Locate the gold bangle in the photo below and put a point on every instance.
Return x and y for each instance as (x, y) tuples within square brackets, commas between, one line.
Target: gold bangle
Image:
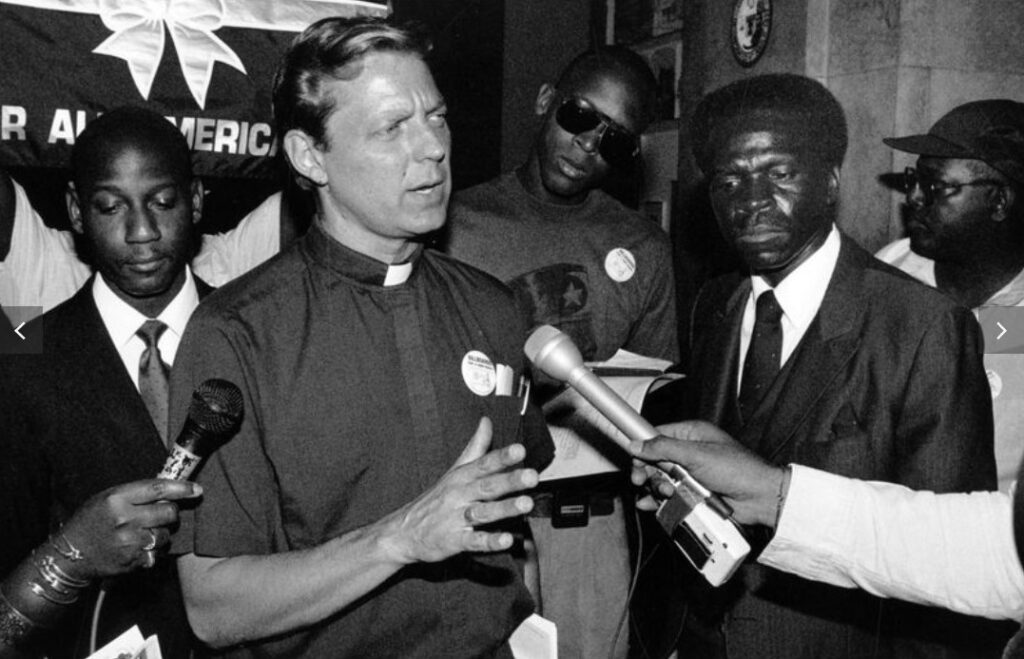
[(66, 579), (72, 553), (40, 591), (63, 589), (15, 626)]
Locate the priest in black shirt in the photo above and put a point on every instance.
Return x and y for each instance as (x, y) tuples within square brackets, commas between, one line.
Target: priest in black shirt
[(349, 517)]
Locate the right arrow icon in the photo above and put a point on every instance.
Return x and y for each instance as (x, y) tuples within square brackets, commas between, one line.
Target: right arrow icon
[(998, 324)]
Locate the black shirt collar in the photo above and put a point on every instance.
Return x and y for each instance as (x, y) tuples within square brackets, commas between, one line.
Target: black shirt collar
[(347, 262)]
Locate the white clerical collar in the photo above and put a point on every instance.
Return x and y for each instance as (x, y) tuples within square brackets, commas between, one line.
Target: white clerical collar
[(398, 273)]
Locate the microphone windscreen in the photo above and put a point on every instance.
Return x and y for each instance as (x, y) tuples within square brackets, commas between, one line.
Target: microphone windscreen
[(553, 352), (214, 415), (216, 406)]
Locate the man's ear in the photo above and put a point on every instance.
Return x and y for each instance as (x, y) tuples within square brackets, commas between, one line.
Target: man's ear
[(197, 200), (1004, 199), (833, 185), (305, 157), (74, 207), (545, 97)]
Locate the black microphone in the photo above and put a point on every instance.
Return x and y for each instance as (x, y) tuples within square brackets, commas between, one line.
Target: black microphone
[(213, 417)]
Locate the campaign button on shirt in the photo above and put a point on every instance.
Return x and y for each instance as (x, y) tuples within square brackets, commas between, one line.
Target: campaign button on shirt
[(478, 373), (620, 264)]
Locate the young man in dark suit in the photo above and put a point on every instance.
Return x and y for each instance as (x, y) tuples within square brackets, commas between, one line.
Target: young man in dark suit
[(85, 419), (826, 357)]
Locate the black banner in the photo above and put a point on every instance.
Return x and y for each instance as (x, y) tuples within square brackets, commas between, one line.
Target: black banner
[(207, 65)]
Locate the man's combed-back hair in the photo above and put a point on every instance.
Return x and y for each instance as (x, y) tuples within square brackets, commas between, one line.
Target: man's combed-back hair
[(788, 99), (329, 50), (620, 62)]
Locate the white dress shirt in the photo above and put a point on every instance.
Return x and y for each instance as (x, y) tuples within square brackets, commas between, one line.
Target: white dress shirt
[(122, 322), (799, 296), (951, 550)]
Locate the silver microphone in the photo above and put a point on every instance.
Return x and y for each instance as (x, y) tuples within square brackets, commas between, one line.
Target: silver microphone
[(695, 518)]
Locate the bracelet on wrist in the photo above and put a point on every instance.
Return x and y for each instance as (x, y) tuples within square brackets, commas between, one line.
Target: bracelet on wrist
[(57, 587), (63, 546)]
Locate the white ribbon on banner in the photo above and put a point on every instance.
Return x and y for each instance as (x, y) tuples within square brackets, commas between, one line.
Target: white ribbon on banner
[(139, 38)]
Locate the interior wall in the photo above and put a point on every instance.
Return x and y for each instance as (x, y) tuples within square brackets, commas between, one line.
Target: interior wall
[(468, 67), (952, 52), (541, 37), (895, 65)]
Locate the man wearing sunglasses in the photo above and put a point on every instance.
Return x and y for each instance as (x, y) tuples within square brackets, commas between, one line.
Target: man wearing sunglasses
[(602, 273), (965, 236)]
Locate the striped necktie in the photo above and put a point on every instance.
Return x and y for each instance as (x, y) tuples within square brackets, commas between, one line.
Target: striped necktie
[(153, 375), (763, 355)]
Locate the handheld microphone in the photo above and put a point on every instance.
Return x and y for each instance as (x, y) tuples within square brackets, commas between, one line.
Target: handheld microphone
[(697, 520), (213, 417)]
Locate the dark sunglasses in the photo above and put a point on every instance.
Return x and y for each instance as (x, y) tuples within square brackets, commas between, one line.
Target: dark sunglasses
[(935, 189), (617, 146)]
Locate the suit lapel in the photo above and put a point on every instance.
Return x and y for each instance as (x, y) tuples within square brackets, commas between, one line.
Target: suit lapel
[(830, 342), (93, 375), (722, 346)]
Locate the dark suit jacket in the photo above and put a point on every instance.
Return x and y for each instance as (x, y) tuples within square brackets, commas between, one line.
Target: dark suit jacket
[(72, 424), (887, 384)]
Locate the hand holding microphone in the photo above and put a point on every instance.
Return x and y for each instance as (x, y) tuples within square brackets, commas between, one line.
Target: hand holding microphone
[(121, 528), (695, 518), (213, 417)]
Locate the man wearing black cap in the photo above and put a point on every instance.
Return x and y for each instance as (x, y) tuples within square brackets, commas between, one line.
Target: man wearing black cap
[(965, 229)]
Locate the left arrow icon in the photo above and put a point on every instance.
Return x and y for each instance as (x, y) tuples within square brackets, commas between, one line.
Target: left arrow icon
[(18, 332)]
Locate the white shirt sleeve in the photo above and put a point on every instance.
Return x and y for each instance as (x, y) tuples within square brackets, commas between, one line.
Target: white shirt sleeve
[(255, 239), (951, 550), (42, 268)]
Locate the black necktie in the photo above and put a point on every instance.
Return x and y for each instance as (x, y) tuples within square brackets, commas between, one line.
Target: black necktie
[(763, 354), (153, 374)]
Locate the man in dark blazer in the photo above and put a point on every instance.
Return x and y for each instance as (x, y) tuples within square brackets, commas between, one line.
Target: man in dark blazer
[(842, 363), (80, 438)]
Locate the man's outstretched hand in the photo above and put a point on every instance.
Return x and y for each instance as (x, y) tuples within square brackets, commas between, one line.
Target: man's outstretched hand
[(443, 521)]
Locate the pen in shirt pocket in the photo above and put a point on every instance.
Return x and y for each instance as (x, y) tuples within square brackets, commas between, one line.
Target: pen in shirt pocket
[(505, 375)]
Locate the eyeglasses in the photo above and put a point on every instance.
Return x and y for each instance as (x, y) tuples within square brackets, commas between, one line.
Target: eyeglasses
[(617, 146), (933, 189)]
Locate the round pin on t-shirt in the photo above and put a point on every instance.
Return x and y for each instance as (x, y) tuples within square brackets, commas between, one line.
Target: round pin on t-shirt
[(620, 264), (478, 373)]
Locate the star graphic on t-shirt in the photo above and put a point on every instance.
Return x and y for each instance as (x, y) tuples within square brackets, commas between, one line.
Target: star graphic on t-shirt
[(573, 295)]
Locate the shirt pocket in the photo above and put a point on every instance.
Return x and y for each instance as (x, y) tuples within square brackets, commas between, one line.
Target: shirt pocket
[(506, 417)]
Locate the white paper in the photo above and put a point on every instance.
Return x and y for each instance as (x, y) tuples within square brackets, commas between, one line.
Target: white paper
[(583, 437), (535, 638), (130, 645)]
